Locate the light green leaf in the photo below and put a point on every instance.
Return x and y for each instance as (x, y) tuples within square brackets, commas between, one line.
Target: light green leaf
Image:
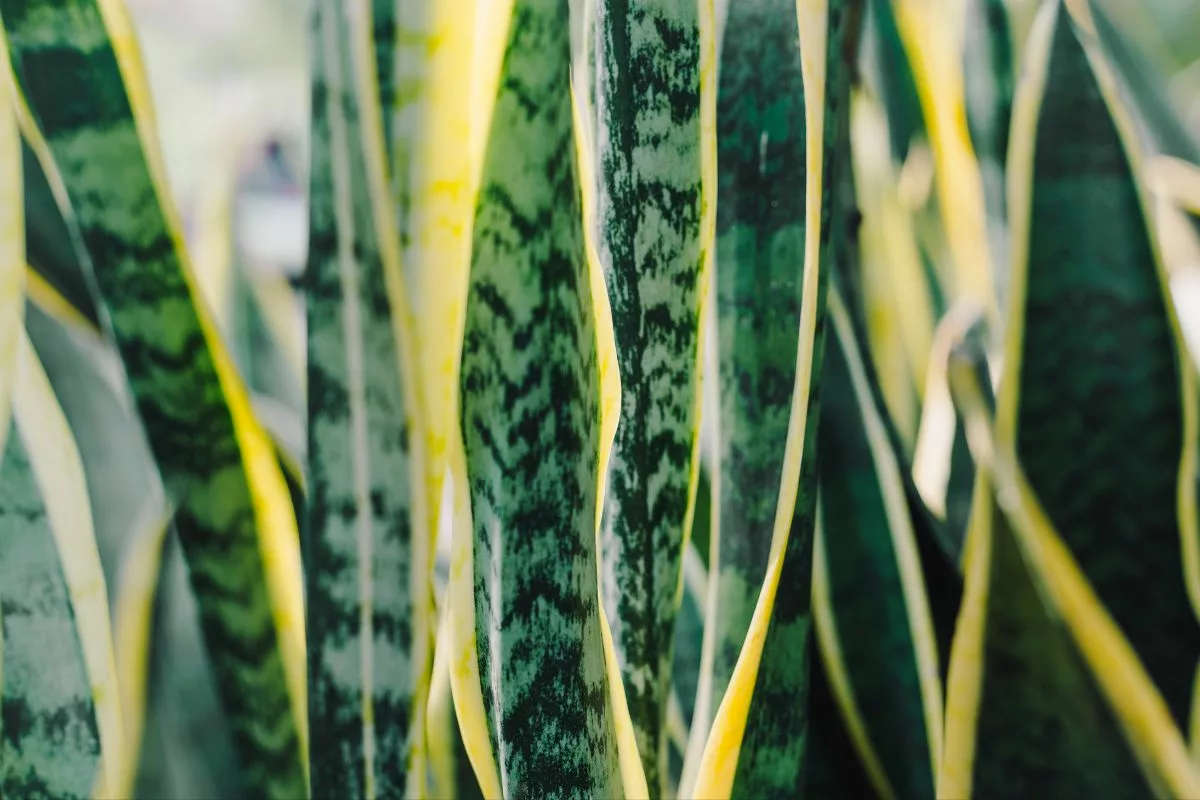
[(78, 65), (369, 580), (530, 405)]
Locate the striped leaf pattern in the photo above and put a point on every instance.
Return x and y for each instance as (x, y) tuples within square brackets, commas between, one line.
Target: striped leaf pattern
[(77, 65), (752, 747), (368, 583), (650, 58), (1091, 329), (758, 296), (530, 426)]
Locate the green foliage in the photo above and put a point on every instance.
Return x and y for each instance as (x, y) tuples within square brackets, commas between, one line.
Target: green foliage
[(696, 399)]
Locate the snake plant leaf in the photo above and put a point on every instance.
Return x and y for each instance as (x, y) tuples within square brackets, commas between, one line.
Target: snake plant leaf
[(1046, 694), (870, 606), (758, 300), (12, 246), (1092, 329), (62, 732), (754, 746), (429, 139), (78, 66), (369, 577), (530, 419), (654, 202)]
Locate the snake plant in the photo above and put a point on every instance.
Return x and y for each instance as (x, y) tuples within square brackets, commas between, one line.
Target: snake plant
[(680, 398)]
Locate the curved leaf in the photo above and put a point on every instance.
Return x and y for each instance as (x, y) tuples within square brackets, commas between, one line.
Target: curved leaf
[(1097, 397), (653, 65), (62, 733), (78, 65), (12, 245)]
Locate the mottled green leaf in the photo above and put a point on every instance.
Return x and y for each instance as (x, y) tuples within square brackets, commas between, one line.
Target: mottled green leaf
[(1097, 397), (368, 575), (651, 220), (755, 747), (530, 400)]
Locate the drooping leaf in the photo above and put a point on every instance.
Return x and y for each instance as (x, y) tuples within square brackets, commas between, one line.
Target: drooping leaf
[(755, 747), (870, 606), (530, 417), (61, 733), (1097, 396), (369, 573), (78, 65), (654, 203)]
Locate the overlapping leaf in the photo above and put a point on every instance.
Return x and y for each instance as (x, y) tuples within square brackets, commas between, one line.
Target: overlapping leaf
[(1097, 397)]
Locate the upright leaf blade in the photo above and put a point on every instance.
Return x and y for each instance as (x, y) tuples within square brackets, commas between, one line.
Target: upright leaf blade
[(872, 614), (78, 65), (369, 571), (758, 286), (12, 244), (753, 748), (1045, 691), (530, 405), (1097, 397), (651, 89)]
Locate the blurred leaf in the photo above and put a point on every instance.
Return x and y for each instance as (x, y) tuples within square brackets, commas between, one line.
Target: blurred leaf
[(872, 614), (433, 180), (1097, 397), (893, 75), (62, 732), (1044, 690), (833, 767), (655, 200), (78, 65), (12, 248), (370, 621)]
